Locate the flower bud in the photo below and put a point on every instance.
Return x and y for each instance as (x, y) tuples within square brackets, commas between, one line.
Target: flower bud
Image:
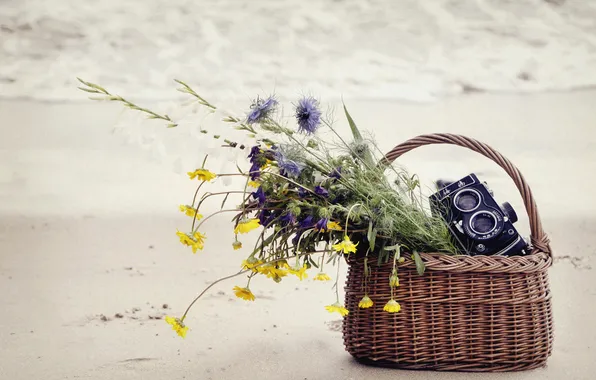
[(393, 281)]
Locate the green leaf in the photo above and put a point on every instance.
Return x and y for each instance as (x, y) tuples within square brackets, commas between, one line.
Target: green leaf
[(379, 260), (371, 236), (368, 159), (91, 90), (353, 127), (419, 263)]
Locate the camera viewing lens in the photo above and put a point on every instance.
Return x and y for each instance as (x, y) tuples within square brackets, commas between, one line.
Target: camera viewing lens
[(467, 200), (483, 223)]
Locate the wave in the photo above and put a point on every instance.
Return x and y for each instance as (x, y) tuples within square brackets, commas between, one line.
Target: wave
[(408, 50)]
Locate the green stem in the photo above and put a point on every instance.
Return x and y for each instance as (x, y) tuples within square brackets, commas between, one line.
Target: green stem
[(212, 215), (348, 217)]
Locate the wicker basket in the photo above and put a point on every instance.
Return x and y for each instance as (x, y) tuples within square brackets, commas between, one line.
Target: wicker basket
[(466, 313)]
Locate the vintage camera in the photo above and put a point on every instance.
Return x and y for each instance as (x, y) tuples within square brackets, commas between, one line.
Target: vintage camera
[(479, 225)]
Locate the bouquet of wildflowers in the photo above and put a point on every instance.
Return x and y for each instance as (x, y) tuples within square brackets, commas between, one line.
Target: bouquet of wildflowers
[(311, 196)]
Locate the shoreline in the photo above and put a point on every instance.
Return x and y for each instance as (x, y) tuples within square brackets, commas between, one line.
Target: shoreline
[(464, 93)]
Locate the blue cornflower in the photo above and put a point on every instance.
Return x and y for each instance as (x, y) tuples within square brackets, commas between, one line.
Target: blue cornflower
[(322, 225), (308, 115), (291, 168), (288, 167), (261, 109), (320, 190), (259, 195)]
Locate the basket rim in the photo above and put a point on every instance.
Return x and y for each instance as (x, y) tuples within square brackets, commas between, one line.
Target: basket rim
[(537, 261)]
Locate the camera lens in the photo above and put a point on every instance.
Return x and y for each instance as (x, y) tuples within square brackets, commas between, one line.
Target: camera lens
[(467, 200), (483, 222)]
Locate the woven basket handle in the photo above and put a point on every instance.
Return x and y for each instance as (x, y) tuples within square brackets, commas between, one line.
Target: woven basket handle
[(539, 239)]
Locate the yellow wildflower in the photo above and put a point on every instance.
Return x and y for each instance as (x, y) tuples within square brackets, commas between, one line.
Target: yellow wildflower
[(337, 308), (345, 246), (263, 269), (333, 226), (254, 184), (237, 245), (190, 211), (272, 271), (177, 325), (199, 241), (299, 272), (322, 277), (195, 241), (247, 225), (365, 302), (251, 263), (202, 175), (394, 281), (185, 239), (244, 293), (392, 306)]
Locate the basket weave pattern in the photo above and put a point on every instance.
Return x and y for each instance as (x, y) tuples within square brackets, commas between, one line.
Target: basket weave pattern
[(466, 313)]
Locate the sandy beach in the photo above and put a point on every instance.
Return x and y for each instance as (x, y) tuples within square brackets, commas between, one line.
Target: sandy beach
[(89, 260), (89, 263)]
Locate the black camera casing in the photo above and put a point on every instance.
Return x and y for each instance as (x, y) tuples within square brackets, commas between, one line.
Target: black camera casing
[(478, 223)]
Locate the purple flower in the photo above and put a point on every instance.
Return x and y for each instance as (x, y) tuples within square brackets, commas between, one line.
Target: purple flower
[(259, 195), (336, 173), (266, 217), (255, 171), (255, 151), (320, 190), (307, 222), (288, 167), (288, 219), (322, 225), (291, 168), (308, 115), (261, 109), (302, 193)]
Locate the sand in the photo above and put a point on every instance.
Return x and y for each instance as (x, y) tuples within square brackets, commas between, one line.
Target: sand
[(89, 263)]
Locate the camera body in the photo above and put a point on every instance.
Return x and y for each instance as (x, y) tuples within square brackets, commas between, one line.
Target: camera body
[(478, 223)]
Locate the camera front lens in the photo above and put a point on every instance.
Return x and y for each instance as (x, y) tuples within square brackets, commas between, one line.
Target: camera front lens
[(467, 200), (483, 223)]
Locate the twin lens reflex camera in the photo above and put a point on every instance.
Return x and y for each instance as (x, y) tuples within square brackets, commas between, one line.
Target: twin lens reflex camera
[(478, 223)]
